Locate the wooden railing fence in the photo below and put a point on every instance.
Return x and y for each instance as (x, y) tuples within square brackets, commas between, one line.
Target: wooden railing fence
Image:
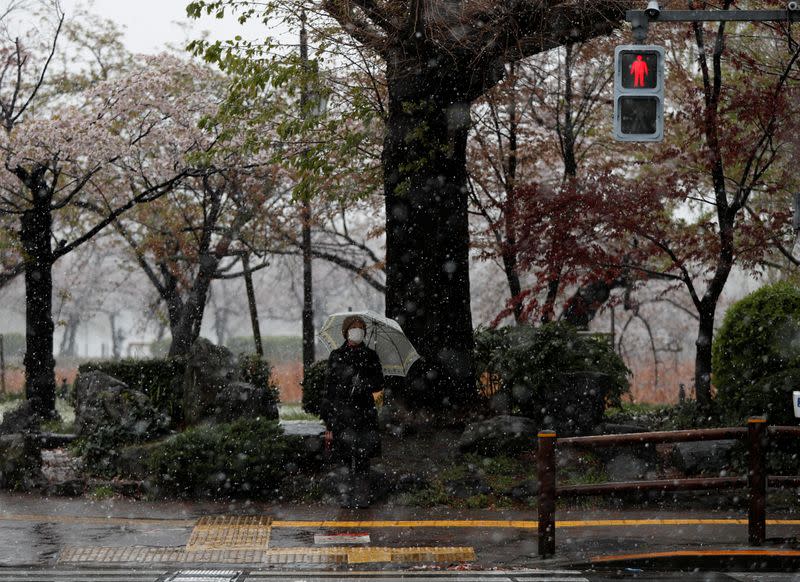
[(757, 434)]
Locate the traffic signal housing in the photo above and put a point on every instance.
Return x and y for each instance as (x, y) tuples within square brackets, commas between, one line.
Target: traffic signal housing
[(639, 93)]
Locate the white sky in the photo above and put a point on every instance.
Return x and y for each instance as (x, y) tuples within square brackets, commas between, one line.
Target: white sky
[(150, 25)]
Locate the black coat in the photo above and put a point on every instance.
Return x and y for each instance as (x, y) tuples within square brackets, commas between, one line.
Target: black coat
[(348, 409)]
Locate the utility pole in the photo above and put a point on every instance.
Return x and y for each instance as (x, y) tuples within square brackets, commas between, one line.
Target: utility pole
[(305, 215)]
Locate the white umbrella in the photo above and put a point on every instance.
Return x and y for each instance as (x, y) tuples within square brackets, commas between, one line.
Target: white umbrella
[(383, 335)]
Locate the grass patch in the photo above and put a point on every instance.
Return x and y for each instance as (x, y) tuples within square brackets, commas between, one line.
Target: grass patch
[(499, 474), (101, 492), (295, 412)]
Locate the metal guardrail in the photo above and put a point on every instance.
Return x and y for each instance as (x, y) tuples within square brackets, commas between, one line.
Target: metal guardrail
[(756, 434)]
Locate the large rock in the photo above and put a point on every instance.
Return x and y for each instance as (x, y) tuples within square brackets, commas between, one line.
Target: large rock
[(20, 462), (499, 435), (209, 369), (22, 419), (241, 400), (105, 404), (629, 467), (213, 392), (709, 457)]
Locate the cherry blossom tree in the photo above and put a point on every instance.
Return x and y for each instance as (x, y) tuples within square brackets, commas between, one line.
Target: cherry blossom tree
[(64, 162)]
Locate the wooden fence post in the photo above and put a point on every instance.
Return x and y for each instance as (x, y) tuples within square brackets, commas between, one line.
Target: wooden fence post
[(546, 469), (757, 480)]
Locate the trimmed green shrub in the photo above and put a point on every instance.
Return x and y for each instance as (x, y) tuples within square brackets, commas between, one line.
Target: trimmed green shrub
[(538, 368), (756, 355), (246, 458), (255, 370), (314, 386), (160, 379)]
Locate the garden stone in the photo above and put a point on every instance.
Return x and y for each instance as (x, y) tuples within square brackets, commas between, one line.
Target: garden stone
[(21, 419), (524, 491), (703, 457), (105, 405), (237, 400), (20, 462), (408, 482), (501, 434), (627, 467), (209, 369), (466, 487)]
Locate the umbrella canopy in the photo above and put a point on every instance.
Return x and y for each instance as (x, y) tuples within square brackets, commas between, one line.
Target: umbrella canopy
[(383, 335)]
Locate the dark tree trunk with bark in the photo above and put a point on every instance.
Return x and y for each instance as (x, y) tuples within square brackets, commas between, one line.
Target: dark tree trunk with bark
[(702, 363), (427, 235), (509, 255), (186, 328), (36, 233)]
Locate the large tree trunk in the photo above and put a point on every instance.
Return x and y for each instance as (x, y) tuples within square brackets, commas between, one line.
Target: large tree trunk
[(702, 362), (36, 233), (427, 236), (187, 327)]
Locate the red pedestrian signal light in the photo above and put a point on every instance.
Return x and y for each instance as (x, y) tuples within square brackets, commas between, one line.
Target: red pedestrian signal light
[(639, 93), (639, 69)]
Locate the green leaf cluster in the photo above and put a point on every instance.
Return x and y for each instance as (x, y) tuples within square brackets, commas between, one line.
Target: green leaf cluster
[(530, 365)]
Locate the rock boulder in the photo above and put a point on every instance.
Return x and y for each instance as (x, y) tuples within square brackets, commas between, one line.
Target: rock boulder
[(503, 434), (20, 462), (105, 404)]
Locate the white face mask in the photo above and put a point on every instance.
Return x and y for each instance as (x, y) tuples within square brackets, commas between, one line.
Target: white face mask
[(355, 335)]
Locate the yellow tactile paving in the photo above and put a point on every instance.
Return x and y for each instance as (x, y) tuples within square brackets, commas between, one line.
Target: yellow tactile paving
[(334, 555), (237, 532)]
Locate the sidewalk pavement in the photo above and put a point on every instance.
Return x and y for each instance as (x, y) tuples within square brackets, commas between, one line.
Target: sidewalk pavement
[(40, 531)]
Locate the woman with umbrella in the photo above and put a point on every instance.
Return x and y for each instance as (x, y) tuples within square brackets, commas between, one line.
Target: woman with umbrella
[(348, 407)]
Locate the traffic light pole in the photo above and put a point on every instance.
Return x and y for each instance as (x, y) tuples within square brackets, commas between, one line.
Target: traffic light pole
[(640, 19)]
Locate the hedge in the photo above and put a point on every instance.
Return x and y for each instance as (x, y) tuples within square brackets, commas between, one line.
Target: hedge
[(246, 458), (756, 355)]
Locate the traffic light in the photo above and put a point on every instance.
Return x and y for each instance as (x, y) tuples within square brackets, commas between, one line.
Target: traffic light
[(639, 93)]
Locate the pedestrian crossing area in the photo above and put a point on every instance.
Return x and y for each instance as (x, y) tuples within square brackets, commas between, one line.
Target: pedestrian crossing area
[(234, 575)]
